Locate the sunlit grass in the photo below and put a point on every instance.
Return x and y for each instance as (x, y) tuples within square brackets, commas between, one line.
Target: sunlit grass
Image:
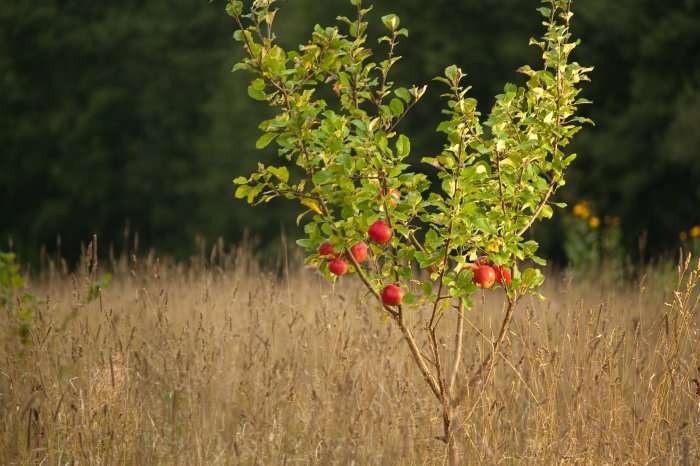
[(221, 362)]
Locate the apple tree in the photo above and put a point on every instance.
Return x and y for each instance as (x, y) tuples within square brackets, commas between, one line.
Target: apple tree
[(344, 158)]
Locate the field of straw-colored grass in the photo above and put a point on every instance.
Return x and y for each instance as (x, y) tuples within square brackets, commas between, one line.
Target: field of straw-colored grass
[(220, 362)]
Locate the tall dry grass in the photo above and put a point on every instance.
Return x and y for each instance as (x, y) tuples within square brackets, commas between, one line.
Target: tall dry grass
[(220, 362)]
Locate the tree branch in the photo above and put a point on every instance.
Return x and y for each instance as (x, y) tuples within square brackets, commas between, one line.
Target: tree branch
[(458, 346), (490, 359), (417, 357), (544, 201)]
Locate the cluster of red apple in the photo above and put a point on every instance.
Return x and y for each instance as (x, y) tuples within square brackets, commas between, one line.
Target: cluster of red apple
[(380, 233), (485, 274), (336, 264)]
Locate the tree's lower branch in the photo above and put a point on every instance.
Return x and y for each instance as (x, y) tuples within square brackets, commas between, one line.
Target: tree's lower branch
[(399, 319), (418, 357), (440, 376)]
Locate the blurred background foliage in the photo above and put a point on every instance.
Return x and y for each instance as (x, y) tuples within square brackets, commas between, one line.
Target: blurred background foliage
[(123, 117)]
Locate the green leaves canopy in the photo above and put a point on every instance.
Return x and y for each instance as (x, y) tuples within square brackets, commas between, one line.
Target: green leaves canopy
[(496, 181)]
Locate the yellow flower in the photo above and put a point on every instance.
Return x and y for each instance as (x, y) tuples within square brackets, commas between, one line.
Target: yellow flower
[(695, 231), (494, 245), (582, 209), (683, 235), (594, 222)]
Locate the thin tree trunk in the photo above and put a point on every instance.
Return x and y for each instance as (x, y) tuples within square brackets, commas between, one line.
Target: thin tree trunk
[(453, 455)]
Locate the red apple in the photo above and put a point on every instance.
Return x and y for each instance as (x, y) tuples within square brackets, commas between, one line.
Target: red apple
[(394, 196), (327, 249), (392, 295), (484, 276), (338, 267), (359, 252), (502, 275), (380, 232)]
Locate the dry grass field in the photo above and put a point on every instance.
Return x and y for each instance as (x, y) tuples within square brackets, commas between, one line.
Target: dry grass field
[(220, 362)]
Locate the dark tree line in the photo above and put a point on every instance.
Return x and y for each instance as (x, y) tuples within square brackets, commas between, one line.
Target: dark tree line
[(126, 113)]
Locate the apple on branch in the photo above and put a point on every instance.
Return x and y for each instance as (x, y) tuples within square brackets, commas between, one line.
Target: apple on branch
[(338, 267), (380, 232), (392, 295)]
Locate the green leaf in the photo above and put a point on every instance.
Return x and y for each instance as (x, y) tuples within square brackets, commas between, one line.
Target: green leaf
[(427, 288), (242, 191), (256, 94), (532, 278), (484, 225), (264, 140), (569, 159), (530, 247), (454, 74), (305, 243), (281, 173), (546, 12), (396, 107), (234, 8), (539, 261), (546, 211), (391, 21), (322, 177), (403, 93), (240, 66), (403, 146)]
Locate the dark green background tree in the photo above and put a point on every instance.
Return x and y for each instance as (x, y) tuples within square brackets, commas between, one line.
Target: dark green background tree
[(116, 114)]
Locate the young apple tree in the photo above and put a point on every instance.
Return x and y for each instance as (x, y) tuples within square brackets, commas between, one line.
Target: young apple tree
[(337, 127)]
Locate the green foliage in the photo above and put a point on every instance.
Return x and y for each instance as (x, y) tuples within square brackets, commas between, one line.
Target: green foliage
[(348, 150), (100, 113), (95, 287), (15, 299), (22, 304), (10, 278)]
